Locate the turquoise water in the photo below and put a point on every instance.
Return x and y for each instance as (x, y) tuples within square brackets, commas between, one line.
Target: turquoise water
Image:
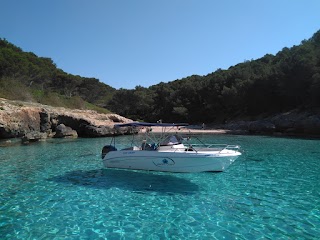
[(59, 190)]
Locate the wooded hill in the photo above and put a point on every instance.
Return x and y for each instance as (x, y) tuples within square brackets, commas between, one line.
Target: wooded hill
[(27, 77), (249, 90)]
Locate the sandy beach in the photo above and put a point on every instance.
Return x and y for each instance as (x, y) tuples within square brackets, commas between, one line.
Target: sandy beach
[(186, 130)]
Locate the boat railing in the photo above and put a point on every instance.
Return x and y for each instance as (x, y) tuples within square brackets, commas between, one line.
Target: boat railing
[(202, 147), (212, 147), (233, 147)]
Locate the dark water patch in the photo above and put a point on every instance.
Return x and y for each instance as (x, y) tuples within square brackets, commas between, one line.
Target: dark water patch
[(87, 155), (254, 159), (62, 140), (137, 181)]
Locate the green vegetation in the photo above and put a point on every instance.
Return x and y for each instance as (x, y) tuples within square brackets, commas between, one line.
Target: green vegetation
[(272, 84), (27, 77), (252, 89)]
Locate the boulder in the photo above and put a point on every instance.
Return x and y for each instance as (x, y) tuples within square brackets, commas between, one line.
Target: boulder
[(33, 136), (65, 131)]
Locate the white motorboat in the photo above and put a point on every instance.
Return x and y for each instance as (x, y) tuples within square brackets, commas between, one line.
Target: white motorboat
[(168, 152)]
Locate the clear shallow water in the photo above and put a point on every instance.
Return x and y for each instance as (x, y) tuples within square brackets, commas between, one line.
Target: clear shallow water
[(59, 190)]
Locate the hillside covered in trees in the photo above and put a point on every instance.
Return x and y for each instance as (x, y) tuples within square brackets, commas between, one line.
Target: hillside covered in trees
[(25, 76), (249, 90)]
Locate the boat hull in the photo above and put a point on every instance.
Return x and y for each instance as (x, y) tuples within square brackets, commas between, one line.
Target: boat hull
[(170, 162)]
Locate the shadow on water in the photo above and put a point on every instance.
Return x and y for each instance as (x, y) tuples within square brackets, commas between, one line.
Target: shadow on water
[(136, 181)]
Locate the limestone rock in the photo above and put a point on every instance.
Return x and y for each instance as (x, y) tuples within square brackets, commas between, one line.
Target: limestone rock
[(65, 131), (33, 136), (98, 131), (45, 123), (19, 118)]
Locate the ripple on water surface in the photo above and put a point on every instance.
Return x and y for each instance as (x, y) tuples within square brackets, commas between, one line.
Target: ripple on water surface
[(58, 189)]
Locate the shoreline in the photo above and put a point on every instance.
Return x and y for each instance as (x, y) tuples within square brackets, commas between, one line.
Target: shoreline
[(191, 131), (187, 130), (37, 121), (220, 131)]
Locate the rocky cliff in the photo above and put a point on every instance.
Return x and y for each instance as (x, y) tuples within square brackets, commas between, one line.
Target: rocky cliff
[(33, 121)]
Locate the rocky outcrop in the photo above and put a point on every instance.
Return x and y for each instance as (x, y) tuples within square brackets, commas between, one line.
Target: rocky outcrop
[(63, 131), (97, 131), (33, 136), (18, 119), (45, 122), (296, 122), (17, 123)]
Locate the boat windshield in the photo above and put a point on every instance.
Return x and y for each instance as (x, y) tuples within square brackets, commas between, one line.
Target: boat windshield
[(171, 140)]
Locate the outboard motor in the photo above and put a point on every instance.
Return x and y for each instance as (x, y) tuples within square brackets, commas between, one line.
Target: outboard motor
[(106, 149)]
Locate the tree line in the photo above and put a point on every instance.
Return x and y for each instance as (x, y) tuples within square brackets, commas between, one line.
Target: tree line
[(257, 88), (265, 86)]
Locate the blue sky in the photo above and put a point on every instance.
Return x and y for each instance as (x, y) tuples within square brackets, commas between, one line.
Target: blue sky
[(125, 43)]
